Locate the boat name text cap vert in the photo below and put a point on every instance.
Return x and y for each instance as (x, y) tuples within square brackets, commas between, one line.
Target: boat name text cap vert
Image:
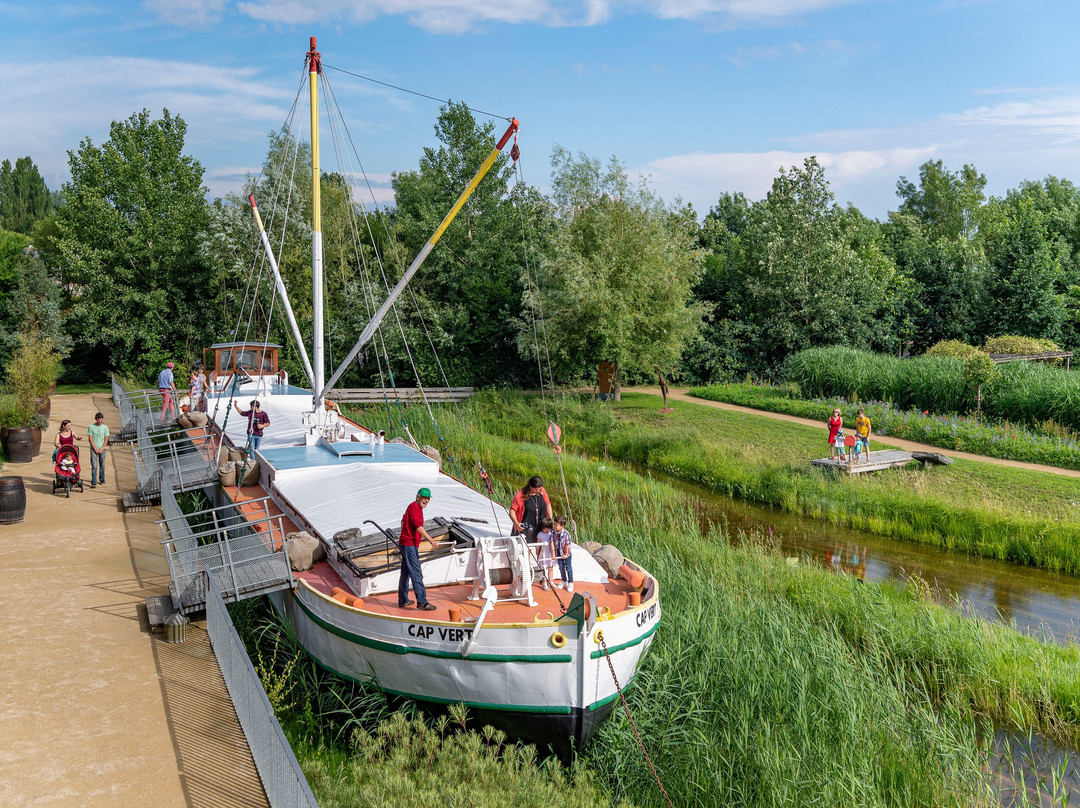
[(424, 492)]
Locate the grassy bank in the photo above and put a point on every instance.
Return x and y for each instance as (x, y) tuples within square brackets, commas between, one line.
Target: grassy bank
[(992, 511), (767, 685), (965, 433)]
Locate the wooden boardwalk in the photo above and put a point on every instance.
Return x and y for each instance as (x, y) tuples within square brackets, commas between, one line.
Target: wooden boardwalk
[(876, 461)]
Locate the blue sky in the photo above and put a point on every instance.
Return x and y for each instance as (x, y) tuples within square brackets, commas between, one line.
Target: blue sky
[(701, 96)]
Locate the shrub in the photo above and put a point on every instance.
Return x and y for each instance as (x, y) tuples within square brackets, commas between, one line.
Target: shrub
[(1020, 346), (953, 348), (33, 369)]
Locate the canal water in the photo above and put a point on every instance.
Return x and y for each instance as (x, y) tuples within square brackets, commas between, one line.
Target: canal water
[(1036, 602), (1028, 771)]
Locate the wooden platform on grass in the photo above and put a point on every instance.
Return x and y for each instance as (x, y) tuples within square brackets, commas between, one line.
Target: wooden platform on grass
[(876, 461)]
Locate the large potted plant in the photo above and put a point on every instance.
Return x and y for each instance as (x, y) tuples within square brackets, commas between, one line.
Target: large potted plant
[(31, 373)]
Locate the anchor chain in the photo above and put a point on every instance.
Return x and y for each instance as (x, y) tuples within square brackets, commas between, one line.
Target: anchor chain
[(633, 726)]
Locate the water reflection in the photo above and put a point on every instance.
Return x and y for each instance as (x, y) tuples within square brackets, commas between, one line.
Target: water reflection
[(1036, 602)]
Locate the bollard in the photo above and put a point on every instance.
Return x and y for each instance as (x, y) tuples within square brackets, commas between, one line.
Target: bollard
[(176, 628)]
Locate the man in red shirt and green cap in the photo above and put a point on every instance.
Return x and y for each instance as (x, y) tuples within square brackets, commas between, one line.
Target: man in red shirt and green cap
[(412, 531)]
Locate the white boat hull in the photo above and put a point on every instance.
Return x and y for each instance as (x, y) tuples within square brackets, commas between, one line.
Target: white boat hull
[(548, 682)]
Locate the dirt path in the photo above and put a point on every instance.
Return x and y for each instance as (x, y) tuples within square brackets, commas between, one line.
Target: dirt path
[(876, 442), (95, 710)]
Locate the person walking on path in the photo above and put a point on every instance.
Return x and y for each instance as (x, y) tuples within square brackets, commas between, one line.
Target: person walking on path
[(529, 507), (99, 439), (257, 422), (836, 422), (65, 436), (167, 387), (412, 531)]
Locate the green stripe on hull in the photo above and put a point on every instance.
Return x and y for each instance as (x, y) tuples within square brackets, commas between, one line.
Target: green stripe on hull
[(637, 640), (512, 708), (393, 648)]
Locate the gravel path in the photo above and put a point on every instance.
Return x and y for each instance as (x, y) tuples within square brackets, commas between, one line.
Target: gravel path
[(95, 710)]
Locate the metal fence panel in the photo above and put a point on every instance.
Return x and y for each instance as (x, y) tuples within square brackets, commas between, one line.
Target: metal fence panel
[(282, 778), (189, 456), (246, 556)]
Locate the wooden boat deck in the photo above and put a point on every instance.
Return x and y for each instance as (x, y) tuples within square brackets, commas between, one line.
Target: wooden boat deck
[(612, 594)]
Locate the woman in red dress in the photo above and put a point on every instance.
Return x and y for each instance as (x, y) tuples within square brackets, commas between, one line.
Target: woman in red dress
[(835, 424)]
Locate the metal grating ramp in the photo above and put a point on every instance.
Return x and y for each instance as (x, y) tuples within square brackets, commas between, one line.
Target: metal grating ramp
[(187, 458), (245, 555)]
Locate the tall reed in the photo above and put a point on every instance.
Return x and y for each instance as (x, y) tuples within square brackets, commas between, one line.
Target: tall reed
[(1024, 392), (767, 684)]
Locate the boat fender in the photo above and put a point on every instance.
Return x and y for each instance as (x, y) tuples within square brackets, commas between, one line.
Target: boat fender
[(341, 597), (558, 639), (632, 576), (598, 636), (538, 619), (355, 602), (337, 590), (633, 598)]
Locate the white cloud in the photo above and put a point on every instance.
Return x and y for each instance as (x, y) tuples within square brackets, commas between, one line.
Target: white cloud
[(458, 16), (701, 177), (186, 13), (1043, 112), (226, 105)]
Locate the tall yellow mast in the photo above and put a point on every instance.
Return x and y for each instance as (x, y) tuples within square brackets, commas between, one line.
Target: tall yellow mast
[(314, 60)]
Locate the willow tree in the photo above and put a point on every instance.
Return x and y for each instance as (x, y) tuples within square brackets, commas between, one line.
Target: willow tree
[(616, 283)]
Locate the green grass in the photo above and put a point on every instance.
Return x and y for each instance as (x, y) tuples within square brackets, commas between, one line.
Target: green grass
[(767, 684), (82, 389), (1014, 515), (1050, 444)]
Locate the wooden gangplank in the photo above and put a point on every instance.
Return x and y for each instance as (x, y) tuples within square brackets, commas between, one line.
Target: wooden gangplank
[(875, 461), (368, 395)]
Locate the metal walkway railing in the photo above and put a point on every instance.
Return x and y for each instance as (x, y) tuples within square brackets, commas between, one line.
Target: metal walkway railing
[(282, 779), (245, 556), (138, 406), (187, 456)]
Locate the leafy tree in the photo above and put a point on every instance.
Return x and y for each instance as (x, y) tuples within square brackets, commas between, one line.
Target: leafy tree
[(34, 305), (946, 203), (1025, 277), (725, 221), (811, 273), (616, 283), (12, 246), (127, 243), (948, 280), (24, 199), (469, 293)]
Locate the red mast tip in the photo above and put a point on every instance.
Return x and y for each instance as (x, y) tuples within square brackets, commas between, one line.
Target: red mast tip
[(314, 59)]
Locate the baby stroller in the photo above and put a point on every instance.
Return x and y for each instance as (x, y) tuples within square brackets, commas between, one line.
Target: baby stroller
[(66, 467)]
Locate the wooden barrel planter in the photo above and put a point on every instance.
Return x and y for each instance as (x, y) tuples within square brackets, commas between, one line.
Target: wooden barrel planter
[(43, 406), (19, 446), (12, 500)]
